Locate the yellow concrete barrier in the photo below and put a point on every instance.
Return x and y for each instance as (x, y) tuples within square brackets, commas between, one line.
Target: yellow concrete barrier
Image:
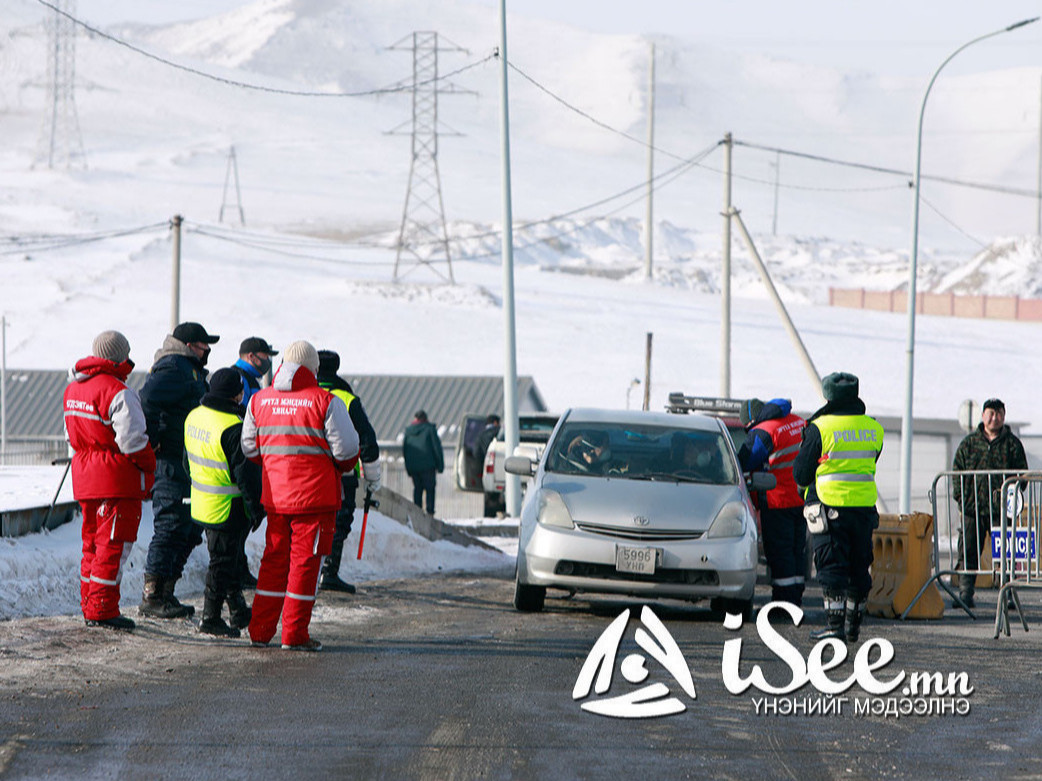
[(902, 547)]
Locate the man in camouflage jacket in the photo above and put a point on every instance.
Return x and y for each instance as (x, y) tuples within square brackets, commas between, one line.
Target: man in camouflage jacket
[(993, 446)]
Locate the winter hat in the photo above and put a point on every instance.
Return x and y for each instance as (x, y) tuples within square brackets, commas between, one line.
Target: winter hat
[(303, 353), (111, 345), (328, 362), (840, 386), (226, 383), (750, 411)]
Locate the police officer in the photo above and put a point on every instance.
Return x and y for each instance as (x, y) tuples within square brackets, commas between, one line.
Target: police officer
[(369, 467), (836, 469), (226, 490)]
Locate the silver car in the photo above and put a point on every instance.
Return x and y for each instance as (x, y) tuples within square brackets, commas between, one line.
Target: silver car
[(639, 503)]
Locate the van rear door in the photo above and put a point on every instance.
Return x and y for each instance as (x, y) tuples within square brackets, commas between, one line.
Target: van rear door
[(467, 468)]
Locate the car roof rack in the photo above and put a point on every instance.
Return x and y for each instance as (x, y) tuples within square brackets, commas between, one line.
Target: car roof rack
[(681, 404)]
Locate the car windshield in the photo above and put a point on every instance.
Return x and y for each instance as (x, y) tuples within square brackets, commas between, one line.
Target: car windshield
[(536, 429), (642, 452)]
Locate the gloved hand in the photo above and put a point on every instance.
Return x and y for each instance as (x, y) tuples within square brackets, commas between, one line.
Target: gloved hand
[(371, 473)]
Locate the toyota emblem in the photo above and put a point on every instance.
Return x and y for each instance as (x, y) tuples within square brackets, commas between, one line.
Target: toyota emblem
[(640, 520)]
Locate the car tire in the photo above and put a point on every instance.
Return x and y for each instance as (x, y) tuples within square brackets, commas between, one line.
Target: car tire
[(721, 606), (494, 503), (528, 599)]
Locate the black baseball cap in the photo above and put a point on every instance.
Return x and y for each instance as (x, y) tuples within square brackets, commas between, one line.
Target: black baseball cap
[(193, 332), (255, 344), (995, 404)]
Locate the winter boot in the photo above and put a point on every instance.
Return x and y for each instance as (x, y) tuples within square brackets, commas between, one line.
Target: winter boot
[(966, 595), (172, 602), (239, 611), (152, 603), (835, 614), (855, 613), (311, 645), (331, 574), (119, 623), (212, 623)]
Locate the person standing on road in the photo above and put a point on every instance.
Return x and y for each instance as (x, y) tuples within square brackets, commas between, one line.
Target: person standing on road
[(424, 459), (175, 384), (112, 471), (368, 467), (226, 490), (773, 440), (303, 437), (992, 446), (254, 362), (836, 468)]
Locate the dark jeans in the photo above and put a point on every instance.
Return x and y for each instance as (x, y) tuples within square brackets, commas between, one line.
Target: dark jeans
[(424, 481), (973, 536), (175, 533), (227, 560), (785, 547), (344, 517), (843, 554)]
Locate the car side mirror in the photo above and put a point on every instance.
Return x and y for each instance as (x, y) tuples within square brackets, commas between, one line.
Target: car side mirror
[(761, 481), (520, 465)]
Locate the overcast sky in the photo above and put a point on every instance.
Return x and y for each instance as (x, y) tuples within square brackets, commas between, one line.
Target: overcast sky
[(905, 37)]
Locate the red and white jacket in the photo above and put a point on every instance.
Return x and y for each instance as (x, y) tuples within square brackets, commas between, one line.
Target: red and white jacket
[(105, 427), (786, 433), (303, 437)]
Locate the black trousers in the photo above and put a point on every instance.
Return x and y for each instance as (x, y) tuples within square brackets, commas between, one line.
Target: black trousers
[(227, 560), (344, 517), (785, 547), (843, 554), (424, 482)]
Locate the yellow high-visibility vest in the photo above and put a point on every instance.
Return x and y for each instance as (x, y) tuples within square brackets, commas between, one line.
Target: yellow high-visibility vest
[(846, 474), (213, 487)]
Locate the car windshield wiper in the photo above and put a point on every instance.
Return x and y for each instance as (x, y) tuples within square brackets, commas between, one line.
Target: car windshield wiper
[(668, 476)]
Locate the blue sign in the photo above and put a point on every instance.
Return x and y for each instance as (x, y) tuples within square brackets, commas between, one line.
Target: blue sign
[(1021, 548)]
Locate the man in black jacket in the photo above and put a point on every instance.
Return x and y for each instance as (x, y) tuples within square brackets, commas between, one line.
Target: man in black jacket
[(424, 458), (175, 384), (369, 460)]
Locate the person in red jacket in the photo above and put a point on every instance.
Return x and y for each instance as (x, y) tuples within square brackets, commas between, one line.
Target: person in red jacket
[(112, 471), (771, 445), (303, 437)]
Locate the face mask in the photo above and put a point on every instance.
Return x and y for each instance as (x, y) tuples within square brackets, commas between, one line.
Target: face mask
[(206, 355), (265, 366)]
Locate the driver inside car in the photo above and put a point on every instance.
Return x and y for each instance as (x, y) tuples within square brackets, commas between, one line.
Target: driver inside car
[(589, 451)]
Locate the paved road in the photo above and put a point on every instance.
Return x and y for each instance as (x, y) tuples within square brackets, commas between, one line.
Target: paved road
[(440, 678)]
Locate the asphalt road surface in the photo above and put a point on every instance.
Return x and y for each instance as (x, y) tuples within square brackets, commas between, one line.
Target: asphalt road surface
[(440, 678)]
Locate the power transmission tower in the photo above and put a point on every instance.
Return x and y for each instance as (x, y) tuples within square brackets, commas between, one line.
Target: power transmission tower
[(60, 142), (423, 235), (230, 172)]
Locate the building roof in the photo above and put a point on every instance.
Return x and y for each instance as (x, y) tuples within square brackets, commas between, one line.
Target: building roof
[(34, 401)]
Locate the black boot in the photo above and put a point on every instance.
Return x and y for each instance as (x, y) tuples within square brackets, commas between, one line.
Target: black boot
[(119, 623), (835, 613), (855, 613), (331, 573), (177, 609), (239, 611), (153, 603), (212, 623)]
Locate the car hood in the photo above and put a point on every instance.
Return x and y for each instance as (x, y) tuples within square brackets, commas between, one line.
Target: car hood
[(666, 506)]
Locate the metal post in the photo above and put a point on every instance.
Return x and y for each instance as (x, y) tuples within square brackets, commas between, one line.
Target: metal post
[(649, 223), (3, 389), (906, 417), (175, 299), (647, 373), (513, 482), (725, 279), (1038, 215)]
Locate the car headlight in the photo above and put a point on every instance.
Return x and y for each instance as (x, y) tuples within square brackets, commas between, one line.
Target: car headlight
[(552, 510), (729, 522)]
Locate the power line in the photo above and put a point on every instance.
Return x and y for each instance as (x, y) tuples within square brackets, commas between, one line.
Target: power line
[(952, 223), (202, 231), (243, 84), (45, 242)]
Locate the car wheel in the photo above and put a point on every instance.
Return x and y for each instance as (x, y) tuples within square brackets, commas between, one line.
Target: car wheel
[(529, 599), (493, 504), (721, 606)]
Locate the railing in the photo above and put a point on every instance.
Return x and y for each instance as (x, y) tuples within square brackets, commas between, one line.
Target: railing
[(33, 452), (449, 501), (1015, 547)]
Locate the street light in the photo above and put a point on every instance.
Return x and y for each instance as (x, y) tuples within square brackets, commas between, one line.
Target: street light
[(906, 418)]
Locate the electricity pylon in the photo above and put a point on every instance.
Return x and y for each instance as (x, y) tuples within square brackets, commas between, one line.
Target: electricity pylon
[(423, 235), (60, 142), (231, 172)]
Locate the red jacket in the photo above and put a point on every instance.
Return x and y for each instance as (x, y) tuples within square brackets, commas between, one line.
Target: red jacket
[(105, 426), (786, 434), (303, 437)]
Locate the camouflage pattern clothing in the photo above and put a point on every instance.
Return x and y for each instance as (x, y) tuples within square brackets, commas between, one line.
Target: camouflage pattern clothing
[(977, 452)]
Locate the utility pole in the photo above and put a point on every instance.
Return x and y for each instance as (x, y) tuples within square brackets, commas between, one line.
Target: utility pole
[(423, 234), (1038, 215), (725, 279), (649, 223), (3, 389), (61, 145), (231, 171), (175, 299), (647, 372)]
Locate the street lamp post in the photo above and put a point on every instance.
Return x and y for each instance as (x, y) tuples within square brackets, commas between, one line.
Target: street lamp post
[(906, 418)]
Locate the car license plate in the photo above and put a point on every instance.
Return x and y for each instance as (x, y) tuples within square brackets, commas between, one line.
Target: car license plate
[(639, 560)]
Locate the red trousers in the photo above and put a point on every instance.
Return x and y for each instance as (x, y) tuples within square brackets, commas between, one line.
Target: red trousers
[(109, 530), (288, 579)]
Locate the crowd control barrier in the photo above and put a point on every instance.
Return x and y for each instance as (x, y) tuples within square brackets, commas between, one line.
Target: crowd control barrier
[(967, 512), (902, 550), (1014, 545)]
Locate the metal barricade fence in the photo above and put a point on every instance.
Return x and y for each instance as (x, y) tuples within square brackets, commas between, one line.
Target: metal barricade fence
[(1015, 545), (449, 501), (966, 507)]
